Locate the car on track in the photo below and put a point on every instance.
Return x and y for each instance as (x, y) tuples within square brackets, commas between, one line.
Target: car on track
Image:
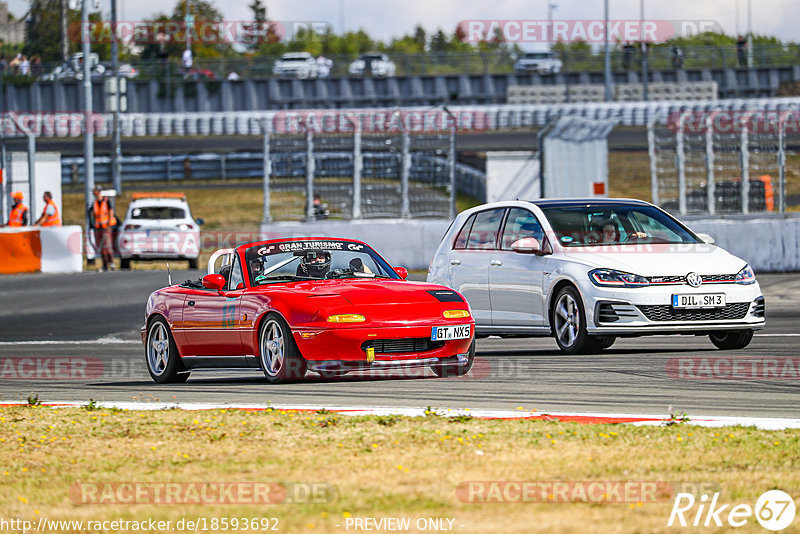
[(159, 226), (296, 65), (378, 65), (290, 305), (589, 271), (539, 62)]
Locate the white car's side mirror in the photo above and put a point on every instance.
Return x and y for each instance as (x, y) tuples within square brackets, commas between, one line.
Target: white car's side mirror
[(707, 239), (526, 245)]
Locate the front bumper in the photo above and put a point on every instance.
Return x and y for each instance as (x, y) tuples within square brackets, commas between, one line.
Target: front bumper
[(648, 310), (347, 346)]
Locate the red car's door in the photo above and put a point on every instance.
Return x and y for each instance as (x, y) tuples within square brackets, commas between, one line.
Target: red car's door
[(209, 323), (211, 318)]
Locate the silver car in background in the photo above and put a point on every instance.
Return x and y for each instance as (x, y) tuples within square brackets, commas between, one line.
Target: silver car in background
[(589, 271)]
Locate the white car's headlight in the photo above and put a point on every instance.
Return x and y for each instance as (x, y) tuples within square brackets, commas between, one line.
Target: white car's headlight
[(612, 278), (746, 276)]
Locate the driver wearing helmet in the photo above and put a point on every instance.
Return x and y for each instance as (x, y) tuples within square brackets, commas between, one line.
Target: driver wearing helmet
[(315, 263)]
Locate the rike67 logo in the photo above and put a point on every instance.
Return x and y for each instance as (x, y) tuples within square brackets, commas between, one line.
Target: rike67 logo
[(774, 510)]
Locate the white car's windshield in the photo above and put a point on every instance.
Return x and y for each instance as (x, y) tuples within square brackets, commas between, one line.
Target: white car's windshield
[(614, 224), (313, 259)]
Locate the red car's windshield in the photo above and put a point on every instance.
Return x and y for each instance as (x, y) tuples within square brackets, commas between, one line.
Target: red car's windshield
[(313, 259)]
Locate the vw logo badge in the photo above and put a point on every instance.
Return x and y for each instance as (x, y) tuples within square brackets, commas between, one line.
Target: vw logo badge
[(694, 279)]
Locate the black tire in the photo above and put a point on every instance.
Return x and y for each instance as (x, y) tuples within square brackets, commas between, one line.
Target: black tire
[(161, 354), (279, 356), (568, 321), (598, 343), (125, 264), (445, 371), (193, 263), (737, 339)]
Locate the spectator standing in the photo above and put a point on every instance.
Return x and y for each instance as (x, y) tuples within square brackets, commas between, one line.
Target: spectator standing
[(24, 66), (741, 50), (186, 60), (103, 221)]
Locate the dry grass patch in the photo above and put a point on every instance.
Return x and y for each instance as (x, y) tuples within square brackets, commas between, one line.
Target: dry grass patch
[(379, 466)]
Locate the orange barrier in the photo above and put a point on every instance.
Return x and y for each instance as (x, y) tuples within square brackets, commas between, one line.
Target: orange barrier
[(769, 196), (20, 252)]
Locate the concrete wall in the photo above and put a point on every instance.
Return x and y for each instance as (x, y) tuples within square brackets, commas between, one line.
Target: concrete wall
[(767, 244), (409, 243)]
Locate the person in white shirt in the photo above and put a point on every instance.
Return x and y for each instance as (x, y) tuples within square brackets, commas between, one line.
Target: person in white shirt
[(186, 59)]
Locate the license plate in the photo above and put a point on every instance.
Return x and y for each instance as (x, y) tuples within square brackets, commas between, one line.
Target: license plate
[(698, 300), (446, 333)]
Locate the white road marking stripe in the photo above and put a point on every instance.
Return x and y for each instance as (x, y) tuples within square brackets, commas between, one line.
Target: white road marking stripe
[(101, 341), (764, 423)]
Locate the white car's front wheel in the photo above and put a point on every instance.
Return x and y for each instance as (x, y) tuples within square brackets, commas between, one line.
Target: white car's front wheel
[(738, 339), (569, 321)]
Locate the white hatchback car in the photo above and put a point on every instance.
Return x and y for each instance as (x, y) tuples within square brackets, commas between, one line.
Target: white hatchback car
[(159, 226), (296, 65), (589, 271)]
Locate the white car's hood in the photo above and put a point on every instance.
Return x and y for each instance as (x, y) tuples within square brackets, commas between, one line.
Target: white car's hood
[(658, 260)]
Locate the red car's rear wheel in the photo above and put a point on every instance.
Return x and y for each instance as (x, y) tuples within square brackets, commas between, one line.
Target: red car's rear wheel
[(161, 354), (278, 356)]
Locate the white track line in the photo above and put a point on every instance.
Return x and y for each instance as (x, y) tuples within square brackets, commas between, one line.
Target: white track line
[(764, 423), (100, 341)]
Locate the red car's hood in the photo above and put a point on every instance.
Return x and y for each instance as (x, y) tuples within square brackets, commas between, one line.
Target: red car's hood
[(374, 291)]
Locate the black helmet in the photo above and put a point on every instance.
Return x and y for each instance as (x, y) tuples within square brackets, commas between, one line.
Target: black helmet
[(316, 263)]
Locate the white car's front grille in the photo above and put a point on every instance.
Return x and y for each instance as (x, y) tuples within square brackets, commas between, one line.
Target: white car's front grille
[(661, 313)]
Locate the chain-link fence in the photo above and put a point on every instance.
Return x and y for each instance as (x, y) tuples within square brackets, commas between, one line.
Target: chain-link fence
[(720, 162), (364, 175)]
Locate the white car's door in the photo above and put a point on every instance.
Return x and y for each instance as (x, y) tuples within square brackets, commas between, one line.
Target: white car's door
[(470, 259), (515, 280)]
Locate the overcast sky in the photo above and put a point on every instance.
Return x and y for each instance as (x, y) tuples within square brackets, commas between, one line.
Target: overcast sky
[(384, 19)]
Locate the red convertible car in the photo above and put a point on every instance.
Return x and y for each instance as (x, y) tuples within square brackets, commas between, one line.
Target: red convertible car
[(321, 304)]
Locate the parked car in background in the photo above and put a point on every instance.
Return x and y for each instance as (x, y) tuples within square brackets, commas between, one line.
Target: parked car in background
[(159, 226), (540, 62), (296, 65), (589, 271), (378, 65)]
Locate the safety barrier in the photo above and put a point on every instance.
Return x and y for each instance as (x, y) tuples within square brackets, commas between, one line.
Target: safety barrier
[(46, 250), (493, 117)]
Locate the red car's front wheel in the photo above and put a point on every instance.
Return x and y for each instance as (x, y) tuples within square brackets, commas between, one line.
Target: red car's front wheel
[(161, 354), (279, 357)]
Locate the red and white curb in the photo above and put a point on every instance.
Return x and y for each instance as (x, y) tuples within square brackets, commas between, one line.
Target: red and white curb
[(764, 423)]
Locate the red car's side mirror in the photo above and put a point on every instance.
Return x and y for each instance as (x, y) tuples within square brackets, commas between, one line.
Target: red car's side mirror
[(214, 281), (402, 272)]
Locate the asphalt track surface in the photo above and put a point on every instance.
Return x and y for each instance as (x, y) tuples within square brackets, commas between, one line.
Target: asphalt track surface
[(95, 317)]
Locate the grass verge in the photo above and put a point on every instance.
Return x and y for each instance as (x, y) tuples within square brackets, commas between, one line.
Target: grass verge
[(378, 466)]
